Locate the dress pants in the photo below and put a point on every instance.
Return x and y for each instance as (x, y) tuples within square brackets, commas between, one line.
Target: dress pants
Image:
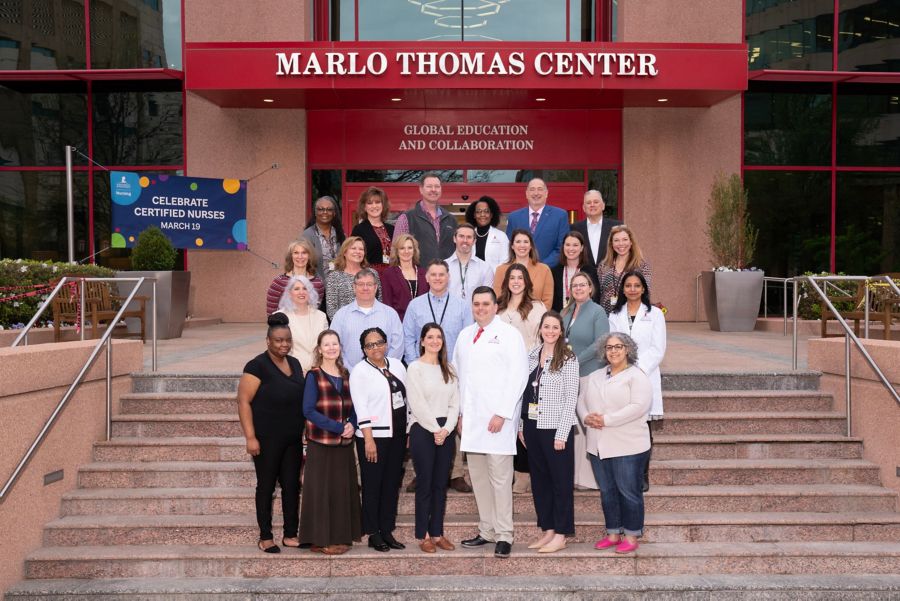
[(381, 482), (552, 478), (279, 460), (492, 478), (432, 465)]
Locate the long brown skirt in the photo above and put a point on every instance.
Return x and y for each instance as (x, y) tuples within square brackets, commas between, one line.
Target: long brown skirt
[(330, 506)]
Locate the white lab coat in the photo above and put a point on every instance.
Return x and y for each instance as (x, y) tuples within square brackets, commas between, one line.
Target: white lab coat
[(649, 332), (496, 249), (492, 375)]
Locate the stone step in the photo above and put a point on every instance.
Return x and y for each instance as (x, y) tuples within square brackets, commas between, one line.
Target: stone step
[(167, 403), (677, 499), (772, 587), (756, 446), (184, 382), (804, 422), (675, 401), (661, 528), (745, 401), (676, 472), (177, 425), (228, 425), (246, 561), (695, 446), (714, 380), (172, 449)]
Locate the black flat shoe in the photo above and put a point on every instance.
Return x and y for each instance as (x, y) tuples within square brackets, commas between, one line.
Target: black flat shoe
[(377, 543), (273, 549), (474, 542), (392, 542)]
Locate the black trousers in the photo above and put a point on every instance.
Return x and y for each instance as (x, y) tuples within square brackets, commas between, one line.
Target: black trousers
[(279, 461), (381, 482), (552, 478), (432, 464)]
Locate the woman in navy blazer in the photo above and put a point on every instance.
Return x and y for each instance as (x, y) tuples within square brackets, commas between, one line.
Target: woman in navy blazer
[(371, 212), (403, 280)]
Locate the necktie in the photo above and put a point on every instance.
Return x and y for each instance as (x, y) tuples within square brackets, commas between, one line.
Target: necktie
[(534, 220), (478, 335)]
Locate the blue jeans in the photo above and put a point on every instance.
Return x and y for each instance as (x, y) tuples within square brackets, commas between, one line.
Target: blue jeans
[(622, 498)]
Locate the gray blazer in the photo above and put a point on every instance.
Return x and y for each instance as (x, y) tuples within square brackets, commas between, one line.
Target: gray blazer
[(310, 234)]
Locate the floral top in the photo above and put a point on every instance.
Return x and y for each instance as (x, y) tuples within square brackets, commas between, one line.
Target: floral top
[(610, 280)]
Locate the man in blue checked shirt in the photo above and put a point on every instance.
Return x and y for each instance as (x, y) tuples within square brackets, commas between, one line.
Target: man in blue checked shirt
[(366, 312)]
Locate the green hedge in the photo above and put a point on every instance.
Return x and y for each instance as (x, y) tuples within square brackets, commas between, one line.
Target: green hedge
[(19, 276), (809, 303)]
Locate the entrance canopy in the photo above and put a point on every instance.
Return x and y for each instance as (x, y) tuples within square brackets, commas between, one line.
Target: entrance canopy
[(503, 75)]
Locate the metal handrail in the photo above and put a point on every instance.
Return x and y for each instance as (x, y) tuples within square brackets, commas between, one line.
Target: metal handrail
[(23, 335), (784, 283), (104, 340), (850, 336)]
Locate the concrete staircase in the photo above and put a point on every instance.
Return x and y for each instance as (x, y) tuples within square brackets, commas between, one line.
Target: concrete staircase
[(753, 480)]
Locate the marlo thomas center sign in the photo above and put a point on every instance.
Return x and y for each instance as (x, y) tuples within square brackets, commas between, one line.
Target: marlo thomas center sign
[(453, 63)]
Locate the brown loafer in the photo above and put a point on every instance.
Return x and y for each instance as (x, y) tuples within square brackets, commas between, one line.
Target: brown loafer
[(427, 545), (442, 543), (460, 485), (335, 549), (316, 549)]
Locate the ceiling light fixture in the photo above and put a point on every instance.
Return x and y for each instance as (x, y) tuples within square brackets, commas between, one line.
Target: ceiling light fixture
[(268, 100), (662, 99), (540, 99), (396, 99)]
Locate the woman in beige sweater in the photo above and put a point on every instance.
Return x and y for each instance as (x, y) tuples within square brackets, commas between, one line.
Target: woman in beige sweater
[(613, 404), (433, 396)]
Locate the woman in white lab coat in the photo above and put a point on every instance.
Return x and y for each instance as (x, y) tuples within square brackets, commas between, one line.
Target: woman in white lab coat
[(633, 314), (491, 243)]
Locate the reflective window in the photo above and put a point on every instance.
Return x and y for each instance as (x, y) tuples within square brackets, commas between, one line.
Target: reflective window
[(134, 126), (787, 127), (792, 211), (42, 35), (33, 215), (134, 34), (401, 175), (790, 34), (509, 176), (869, 36), (867, 239), (325, 182), (607, 182), (38, 120), (868, 125)]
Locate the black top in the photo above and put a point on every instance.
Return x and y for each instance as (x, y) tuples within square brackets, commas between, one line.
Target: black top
[(278, 403), (558, 296), (374, 252), (481, 236), (530, 389)]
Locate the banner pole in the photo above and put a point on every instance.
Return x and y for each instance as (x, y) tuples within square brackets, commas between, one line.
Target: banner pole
[(70, 204)]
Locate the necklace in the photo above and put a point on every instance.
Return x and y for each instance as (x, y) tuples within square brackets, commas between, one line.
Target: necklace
[(486, 232), (413, 287)]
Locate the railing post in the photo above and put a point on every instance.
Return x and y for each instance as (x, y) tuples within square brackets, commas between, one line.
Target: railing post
[(765, 298), (847, 386), (70, 206), (794, 339), (153, 330), (81, 313), (866, 311), (784, 300), (108, 388)]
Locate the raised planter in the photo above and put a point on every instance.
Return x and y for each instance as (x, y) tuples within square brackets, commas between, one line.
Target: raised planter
[(732, 299), (172, 290)]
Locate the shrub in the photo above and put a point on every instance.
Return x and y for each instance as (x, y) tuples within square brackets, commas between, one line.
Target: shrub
[(153, 251), (809, 306), (732, 238), (21, 276)]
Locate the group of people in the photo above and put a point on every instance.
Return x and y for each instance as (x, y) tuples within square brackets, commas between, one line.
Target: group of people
[(532, 352)]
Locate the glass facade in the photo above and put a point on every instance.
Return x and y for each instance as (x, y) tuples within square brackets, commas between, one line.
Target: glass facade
[(131, 123), (822, 160), (465, 20)]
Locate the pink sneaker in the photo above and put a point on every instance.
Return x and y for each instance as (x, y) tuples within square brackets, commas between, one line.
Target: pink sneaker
[(602, 545), (626, 547)]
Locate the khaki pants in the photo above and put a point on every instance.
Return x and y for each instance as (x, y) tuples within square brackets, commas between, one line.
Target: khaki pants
[(459, 469), (492, 477)]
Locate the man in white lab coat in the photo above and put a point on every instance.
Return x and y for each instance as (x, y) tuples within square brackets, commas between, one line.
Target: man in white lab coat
[(492, 365)]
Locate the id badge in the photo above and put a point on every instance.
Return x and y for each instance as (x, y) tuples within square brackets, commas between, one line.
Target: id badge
[(330, 265), (397, 400), (532, 410), (386, 259)]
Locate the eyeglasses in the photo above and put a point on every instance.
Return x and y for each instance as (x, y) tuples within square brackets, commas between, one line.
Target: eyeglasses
[(580, 285), (483, 212), (614, 347), (324, 209), (364, 284), (373, 345)]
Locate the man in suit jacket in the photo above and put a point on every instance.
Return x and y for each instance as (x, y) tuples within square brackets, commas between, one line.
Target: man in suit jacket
[(548, 224), (595, 228)]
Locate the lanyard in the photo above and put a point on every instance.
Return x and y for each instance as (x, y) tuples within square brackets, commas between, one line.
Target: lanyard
[(444, 312), (566, 291), (571, 320), (462, 276), (386, 373)]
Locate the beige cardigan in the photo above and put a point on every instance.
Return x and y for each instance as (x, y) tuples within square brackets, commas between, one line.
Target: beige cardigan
[(623, 400)]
